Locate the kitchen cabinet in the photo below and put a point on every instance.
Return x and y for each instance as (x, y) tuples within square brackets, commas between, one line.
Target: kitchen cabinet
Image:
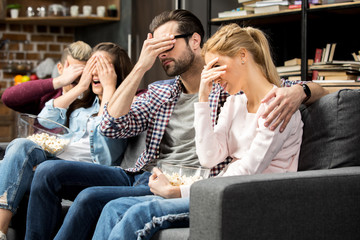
[(61, 20)]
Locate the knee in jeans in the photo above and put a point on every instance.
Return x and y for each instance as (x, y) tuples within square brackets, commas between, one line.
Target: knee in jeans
[(44, 174), (23, 142), (86, 197)]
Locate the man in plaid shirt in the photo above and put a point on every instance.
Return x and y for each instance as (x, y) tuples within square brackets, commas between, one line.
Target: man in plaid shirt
[(165, 111)]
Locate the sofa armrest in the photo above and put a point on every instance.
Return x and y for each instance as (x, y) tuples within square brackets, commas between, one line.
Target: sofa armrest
[(319, 204)]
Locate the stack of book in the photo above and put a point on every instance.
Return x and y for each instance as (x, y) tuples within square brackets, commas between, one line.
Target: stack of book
[(337, 71), (327, 69), (240, 11), (267, 6), (292, 69)]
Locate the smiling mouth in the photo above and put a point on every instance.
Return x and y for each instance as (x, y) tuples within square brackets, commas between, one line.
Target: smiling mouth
[(96, 82)]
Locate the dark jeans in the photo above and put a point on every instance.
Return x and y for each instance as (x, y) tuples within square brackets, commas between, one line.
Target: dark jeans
[(91, 185)]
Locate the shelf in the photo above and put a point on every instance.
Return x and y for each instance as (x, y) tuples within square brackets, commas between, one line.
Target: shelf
[(291, 14), (262, 18), (63, 21), (336, 6)]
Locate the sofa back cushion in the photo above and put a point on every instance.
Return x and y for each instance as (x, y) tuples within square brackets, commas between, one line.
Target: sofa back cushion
[(331, 134)]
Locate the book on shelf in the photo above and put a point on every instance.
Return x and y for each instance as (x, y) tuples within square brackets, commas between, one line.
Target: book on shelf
[(317, 59), (270, 8), (332, 52), (296, 61), (247, 1), (282, 69), (234, 13), (291, 73), (334, 1), (327, 53), (269, 3), (338, 77), (332, 73), (356, 57), (294, 78)]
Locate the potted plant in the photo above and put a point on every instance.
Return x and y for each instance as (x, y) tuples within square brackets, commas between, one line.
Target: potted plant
[(14, 9), (112, 10)]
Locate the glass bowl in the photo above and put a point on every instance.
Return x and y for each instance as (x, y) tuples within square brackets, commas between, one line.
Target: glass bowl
[(51, 136), (183, 174)]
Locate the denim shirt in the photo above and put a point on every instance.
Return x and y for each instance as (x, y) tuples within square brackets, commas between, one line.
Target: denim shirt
[(104, 150)]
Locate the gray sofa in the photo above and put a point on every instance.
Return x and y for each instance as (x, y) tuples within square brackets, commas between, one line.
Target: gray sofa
[(321, 201)]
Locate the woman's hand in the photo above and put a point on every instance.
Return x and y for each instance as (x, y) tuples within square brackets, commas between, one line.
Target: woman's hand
[(106, 73), (209, 75), (86, 77), (160, 185)]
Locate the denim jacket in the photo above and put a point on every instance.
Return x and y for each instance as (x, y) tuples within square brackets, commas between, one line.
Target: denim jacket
[(104, 151)]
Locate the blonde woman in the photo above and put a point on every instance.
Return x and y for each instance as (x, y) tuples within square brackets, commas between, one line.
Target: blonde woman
[(239, 60)]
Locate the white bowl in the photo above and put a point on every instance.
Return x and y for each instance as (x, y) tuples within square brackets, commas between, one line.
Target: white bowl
[(51, 136), (183, 174)]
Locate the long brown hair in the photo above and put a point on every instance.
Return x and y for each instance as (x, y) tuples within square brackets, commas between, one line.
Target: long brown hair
[(229, 39), (122, 65)]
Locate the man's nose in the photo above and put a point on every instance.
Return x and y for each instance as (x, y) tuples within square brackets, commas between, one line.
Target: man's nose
[(163, 55)]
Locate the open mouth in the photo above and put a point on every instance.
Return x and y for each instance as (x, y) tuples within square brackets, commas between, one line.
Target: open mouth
[(96, 82)]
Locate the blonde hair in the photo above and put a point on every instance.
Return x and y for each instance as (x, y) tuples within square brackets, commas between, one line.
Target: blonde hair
[(230, 39), (78, 50)]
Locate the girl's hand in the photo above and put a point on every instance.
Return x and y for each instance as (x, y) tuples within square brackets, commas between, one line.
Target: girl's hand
[(160, 185), (209, 75), (106, 72), (86, 77)]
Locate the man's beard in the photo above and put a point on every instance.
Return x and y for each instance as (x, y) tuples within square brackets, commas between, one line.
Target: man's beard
[(181, 65)]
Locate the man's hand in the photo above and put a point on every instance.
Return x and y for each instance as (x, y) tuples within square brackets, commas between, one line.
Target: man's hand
[(160, 185), (69, 75), (152, 48), (286, 102)]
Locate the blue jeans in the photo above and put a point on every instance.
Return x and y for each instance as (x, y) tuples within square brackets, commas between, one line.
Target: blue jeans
[(91, 185), (135, 218), (17, 171)]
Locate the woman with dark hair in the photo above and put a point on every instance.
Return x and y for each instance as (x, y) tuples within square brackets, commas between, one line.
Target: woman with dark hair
[(80, 109)]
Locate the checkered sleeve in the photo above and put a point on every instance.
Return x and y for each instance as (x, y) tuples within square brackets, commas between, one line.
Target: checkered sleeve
[(287, 83), (131, 124)]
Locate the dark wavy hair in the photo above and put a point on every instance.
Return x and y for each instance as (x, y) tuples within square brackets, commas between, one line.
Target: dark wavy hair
[(122, 65), (187, 22)]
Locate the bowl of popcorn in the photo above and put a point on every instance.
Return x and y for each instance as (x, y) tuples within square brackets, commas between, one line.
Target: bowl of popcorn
[(183, 174), (50, 135)]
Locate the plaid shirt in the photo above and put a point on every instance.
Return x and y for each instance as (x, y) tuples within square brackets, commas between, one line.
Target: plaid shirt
[(152, 111)]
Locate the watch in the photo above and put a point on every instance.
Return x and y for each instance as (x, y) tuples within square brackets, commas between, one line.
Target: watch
[(306, 91)]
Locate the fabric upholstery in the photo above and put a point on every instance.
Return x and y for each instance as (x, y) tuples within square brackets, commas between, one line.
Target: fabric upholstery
[(331, 136)]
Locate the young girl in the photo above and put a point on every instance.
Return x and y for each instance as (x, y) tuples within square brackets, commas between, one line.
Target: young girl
[(80, 108), (239, 60)]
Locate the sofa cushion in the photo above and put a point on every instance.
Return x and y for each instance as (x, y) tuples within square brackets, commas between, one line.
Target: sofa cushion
[(331, 133)]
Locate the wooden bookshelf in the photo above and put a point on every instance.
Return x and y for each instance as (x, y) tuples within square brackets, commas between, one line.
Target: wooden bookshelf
[(296, 33)]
